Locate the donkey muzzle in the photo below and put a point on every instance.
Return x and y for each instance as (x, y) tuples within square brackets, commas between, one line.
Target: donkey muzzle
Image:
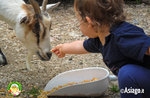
[(45, 57)]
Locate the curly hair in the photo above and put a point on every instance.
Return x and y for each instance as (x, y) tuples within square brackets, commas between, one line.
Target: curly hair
[(101, 12)]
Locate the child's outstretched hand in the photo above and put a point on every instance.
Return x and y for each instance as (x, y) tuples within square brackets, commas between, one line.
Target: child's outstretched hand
[(58, 51)]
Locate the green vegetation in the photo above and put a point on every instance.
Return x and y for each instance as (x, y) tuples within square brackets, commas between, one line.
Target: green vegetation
[(138, 1), (115, 88), (34, 92)]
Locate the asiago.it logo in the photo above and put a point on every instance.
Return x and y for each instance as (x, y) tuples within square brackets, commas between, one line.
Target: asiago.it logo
[(14, 88)]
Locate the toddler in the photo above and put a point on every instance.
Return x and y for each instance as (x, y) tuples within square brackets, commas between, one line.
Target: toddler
[(125, 47)]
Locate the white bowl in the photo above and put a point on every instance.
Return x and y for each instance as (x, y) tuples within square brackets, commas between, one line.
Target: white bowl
[(94, 88)]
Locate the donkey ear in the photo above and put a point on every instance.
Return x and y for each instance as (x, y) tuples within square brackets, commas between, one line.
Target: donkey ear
[(50, 7), (24, 20)]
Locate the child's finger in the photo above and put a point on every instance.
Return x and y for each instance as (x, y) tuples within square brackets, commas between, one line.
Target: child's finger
[(56, 48), (53, 50), (60, 56), (57, 52)]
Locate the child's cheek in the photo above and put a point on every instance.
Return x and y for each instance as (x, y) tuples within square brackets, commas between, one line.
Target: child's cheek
[(84, 32)]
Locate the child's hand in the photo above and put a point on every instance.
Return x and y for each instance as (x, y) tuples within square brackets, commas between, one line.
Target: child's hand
[(58, 51)]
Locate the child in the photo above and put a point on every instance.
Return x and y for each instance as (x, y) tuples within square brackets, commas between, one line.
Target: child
[(125, 48)]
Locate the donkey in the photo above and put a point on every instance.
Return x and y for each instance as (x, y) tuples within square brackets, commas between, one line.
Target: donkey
[(32, 25)]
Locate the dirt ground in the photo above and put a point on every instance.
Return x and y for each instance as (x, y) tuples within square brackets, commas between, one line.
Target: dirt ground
[(64, 29)]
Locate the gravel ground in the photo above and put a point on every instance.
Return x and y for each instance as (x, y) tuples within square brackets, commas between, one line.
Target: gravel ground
[(64, 29)]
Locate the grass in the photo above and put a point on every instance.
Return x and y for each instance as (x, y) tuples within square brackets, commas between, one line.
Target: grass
[(138, 1), (115, 88), (34, 92)]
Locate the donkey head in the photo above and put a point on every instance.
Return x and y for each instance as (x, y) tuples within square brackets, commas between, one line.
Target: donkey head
[(36, 25)]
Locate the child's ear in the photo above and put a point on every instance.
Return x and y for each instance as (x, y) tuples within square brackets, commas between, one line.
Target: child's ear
[(89, 20), (90, 23)]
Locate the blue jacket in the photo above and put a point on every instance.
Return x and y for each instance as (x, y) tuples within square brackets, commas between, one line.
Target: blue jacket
[(126, 44)]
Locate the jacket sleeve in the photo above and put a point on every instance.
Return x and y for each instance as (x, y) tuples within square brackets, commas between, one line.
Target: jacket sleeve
[(93, 45), (133, 44)]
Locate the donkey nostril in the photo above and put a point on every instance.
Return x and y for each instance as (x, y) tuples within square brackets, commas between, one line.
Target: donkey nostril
[(49, 54)]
